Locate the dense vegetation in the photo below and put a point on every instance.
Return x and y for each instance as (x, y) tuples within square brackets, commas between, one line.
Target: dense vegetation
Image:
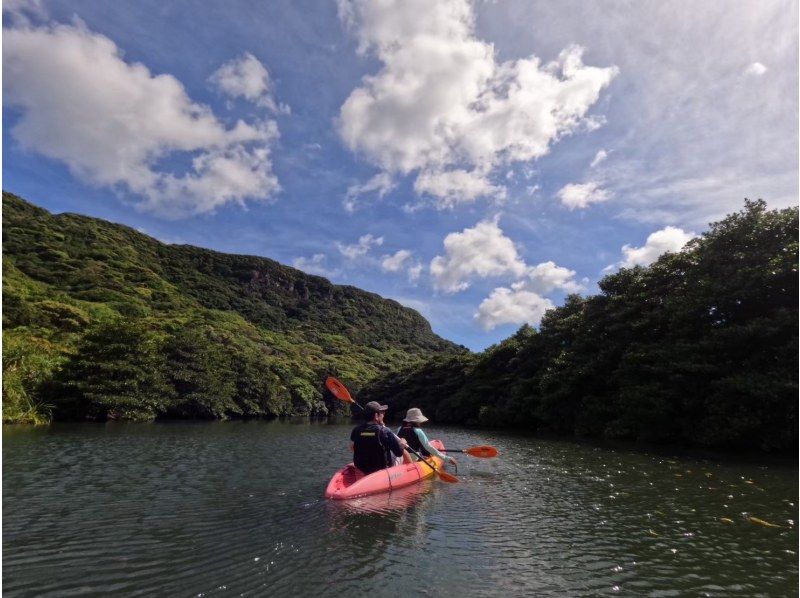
[(699, 348), (101, 321)]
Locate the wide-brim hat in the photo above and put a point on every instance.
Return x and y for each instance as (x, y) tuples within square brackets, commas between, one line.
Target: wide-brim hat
[(415, 416)]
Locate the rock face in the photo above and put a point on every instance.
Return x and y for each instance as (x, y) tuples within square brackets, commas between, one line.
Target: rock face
[(68, 278)]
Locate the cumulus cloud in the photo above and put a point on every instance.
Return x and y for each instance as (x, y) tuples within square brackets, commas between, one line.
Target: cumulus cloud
[(669, 129), (394, 263), (23, 12), (756, 69), (598, 157), (444, 107), (245, 77), (524, 301), (511, 306), (317, 264), (481, 251), (113, 122), (401, 260), (547, 277), (415, 271), (668, 239), (457, 186), (380, 184), (365, 243), (581, 195)]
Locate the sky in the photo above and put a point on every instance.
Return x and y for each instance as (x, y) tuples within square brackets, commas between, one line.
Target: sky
[(476, 161)]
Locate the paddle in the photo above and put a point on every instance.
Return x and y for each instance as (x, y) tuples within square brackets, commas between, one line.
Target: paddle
[(443, 475), (340, 391), (482, 451)]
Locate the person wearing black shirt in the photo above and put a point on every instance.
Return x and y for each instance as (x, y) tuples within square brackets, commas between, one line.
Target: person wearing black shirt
[(374, 445)]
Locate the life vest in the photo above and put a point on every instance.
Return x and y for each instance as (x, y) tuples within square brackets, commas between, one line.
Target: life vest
[(407, 432), (369, 453)]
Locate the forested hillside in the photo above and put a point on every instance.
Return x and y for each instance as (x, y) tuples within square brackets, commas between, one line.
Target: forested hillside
[(700, 348), (101, 321)]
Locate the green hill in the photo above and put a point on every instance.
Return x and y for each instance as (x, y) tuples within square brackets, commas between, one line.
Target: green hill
[(101, 321), (700, 348)]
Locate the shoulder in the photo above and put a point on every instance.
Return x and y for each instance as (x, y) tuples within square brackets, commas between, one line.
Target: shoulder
[(387, 432)]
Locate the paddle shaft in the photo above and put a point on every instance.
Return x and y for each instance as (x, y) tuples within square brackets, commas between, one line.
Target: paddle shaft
[(340, 392), (421, 458)]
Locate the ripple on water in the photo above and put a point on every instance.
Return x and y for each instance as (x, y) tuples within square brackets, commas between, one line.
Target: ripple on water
[(237, 508)]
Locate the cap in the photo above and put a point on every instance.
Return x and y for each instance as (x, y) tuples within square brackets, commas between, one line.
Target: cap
[(375, 407)]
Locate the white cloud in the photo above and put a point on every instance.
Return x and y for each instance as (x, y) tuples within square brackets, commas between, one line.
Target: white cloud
[(247, 78), (532, 189), (756, 69), (668, 239), (22, 12), (546, 277), (524, 301), (507, 306), (317, 264), (365, 242), (394, 263), (580, 195), (414, 272), (381, 184), (457, 186), (670, 130), (481, 251), (400, 260), (112, 122), (443, 107), (598, 157)]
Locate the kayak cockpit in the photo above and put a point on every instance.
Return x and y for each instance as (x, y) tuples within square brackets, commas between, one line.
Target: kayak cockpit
[(349, 482)]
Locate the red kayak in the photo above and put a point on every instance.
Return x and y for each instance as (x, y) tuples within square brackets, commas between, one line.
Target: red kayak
[(349, 482)]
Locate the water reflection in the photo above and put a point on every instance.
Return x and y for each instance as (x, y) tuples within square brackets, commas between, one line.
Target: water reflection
[(237, 509), (387, 502)]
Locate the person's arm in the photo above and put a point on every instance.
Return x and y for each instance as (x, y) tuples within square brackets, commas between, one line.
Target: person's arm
[(396, 447), (423, 438)]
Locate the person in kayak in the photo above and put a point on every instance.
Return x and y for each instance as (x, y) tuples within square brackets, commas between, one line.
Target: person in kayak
[(374, 445), (416, 438)]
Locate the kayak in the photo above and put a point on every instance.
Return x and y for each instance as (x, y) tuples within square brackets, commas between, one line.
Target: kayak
[(349, 482)]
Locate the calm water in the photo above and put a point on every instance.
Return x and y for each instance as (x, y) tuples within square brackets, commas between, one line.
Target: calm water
[(230, 509)]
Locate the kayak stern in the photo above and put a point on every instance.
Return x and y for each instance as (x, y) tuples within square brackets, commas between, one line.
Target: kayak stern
[(349, 482)]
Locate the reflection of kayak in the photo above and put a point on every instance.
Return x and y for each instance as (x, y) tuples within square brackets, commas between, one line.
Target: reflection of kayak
[(385, 502), (349, 482)]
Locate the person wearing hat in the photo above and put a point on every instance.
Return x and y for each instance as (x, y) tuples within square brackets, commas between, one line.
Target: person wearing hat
[(374, 445), (416, 438)]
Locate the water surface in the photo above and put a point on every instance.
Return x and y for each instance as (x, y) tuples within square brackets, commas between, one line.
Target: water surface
[(236, 508)]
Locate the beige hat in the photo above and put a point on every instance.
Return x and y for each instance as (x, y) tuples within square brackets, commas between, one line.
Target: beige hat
[(415, 416)]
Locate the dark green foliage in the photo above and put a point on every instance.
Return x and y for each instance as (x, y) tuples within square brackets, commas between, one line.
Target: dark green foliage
[(136, 329), (699, 348), (118, 372)]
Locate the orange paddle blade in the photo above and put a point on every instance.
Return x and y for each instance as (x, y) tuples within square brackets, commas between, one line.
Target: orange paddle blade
[(446, 477), (338, 390), (482, 451)]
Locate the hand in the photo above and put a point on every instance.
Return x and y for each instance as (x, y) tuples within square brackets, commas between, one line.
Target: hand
[(452, 460), (403, 442)]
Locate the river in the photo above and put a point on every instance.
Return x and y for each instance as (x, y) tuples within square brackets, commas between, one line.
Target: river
[(237, 509)]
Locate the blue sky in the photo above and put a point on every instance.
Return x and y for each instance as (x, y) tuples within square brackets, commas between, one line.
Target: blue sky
[(475, 161)]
